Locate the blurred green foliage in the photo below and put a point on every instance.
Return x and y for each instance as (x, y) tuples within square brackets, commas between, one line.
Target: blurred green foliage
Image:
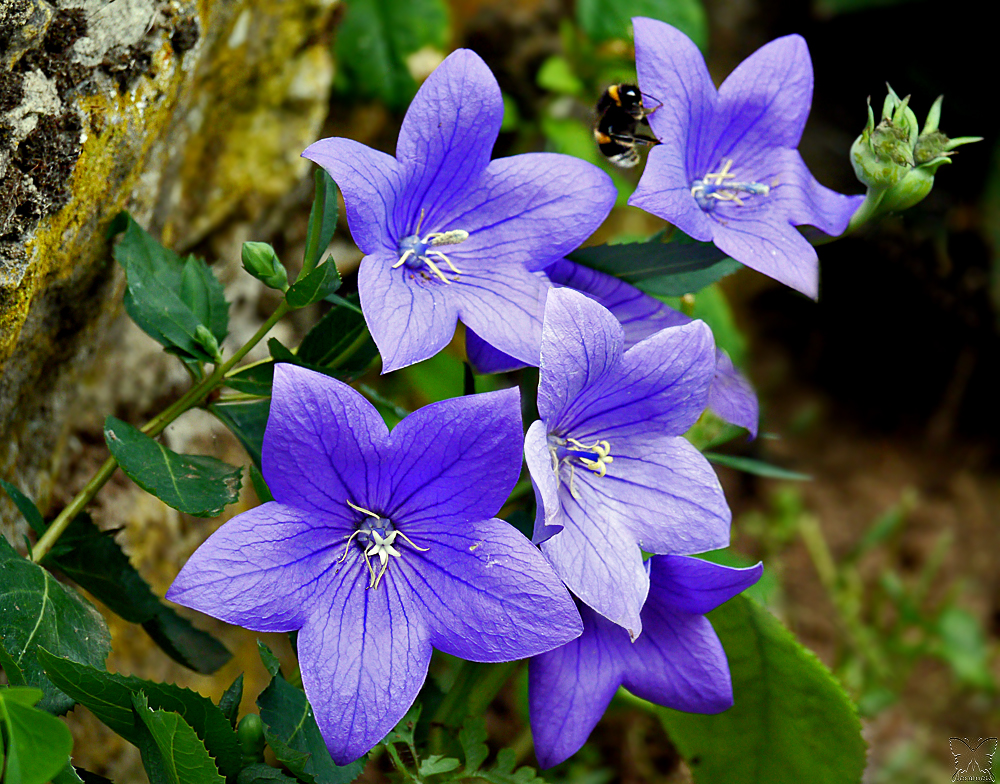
[(375, 42)]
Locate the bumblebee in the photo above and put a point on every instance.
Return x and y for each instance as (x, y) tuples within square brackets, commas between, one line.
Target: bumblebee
[(620, 112)]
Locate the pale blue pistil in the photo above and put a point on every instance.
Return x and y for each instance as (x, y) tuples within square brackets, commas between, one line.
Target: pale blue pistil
[(722, 187), (376, 536), (417, 254)]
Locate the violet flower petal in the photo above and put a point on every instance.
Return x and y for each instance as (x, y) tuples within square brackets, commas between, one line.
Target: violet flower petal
[(661, 388), (600, 563), (665, 493), (731, 396), (486, 593), (408, 321), (312, 457), (665, 190), (570, 687), (505, 303), (639, 314), (751, 125), (673, 74), (435, 471), (765, 101), (368, 180), (362, 665), (519, 211), (815, 204), (545, 483), (262, 569), (446, 138), (693, 585), (679, 663), (486, 359), (581, 344)]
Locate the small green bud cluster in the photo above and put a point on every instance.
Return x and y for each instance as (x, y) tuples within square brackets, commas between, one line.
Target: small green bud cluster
[(260, 260), (896, 159)]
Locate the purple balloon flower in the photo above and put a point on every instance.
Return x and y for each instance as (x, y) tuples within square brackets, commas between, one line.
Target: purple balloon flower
[(728, 170), (730, 396), (449, 234), (379, 546), (678, 661), (611, 469)]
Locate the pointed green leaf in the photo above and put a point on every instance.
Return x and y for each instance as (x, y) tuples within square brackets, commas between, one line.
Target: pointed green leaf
[(247, 420), (194, 484), (756, 467), (255, 379), (172, 748), (322, 221), (339, 341), (39, 612), (260, 773), (184, 643), (26, 507), (14, 675), (260, 485), (229, 704), (666, 269), (109, 698), (202, 292), (791, 722), (472, 736), (314, 286), (95, 561), (437, 763), (268, 659), (292, 734), (38, 744), (154, 276)]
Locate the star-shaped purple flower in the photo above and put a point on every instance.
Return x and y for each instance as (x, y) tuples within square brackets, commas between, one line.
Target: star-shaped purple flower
[(730, 396), (728, 170), (449, 234), (611, 468), (678, 661), (379, 546)]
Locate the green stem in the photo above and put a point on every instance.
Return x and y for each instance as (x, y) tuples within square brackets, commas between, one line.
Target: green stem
[(869, 209), (153, 428)]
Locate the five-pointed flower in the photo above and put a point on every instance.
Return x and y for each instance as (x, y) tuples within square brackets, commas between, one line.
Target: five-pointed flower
[(727, 169), (449, 234), (730, 396), (611, 469), (379, 546), (678, 661)]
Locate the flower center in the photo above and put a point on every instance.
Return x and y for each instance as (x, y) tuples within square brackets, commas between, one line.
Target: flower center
[(569, 451), (376, 536), (416, 253), (722, 186)]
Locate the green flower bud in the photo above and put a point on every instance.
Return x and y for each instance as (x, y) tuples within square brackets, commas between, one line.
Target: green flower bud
[(883, 154), (251, 735), (260, 260), (896, 160), (931, 150), (203, 337)]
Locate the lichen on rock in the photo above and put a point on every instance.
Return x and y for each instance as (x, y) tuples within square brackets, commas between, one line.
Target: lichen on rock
[(188, 114)]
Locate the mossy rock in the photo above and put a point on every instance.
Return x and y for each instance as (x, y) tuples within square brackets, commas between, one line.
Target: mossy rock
[(188, 114)]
